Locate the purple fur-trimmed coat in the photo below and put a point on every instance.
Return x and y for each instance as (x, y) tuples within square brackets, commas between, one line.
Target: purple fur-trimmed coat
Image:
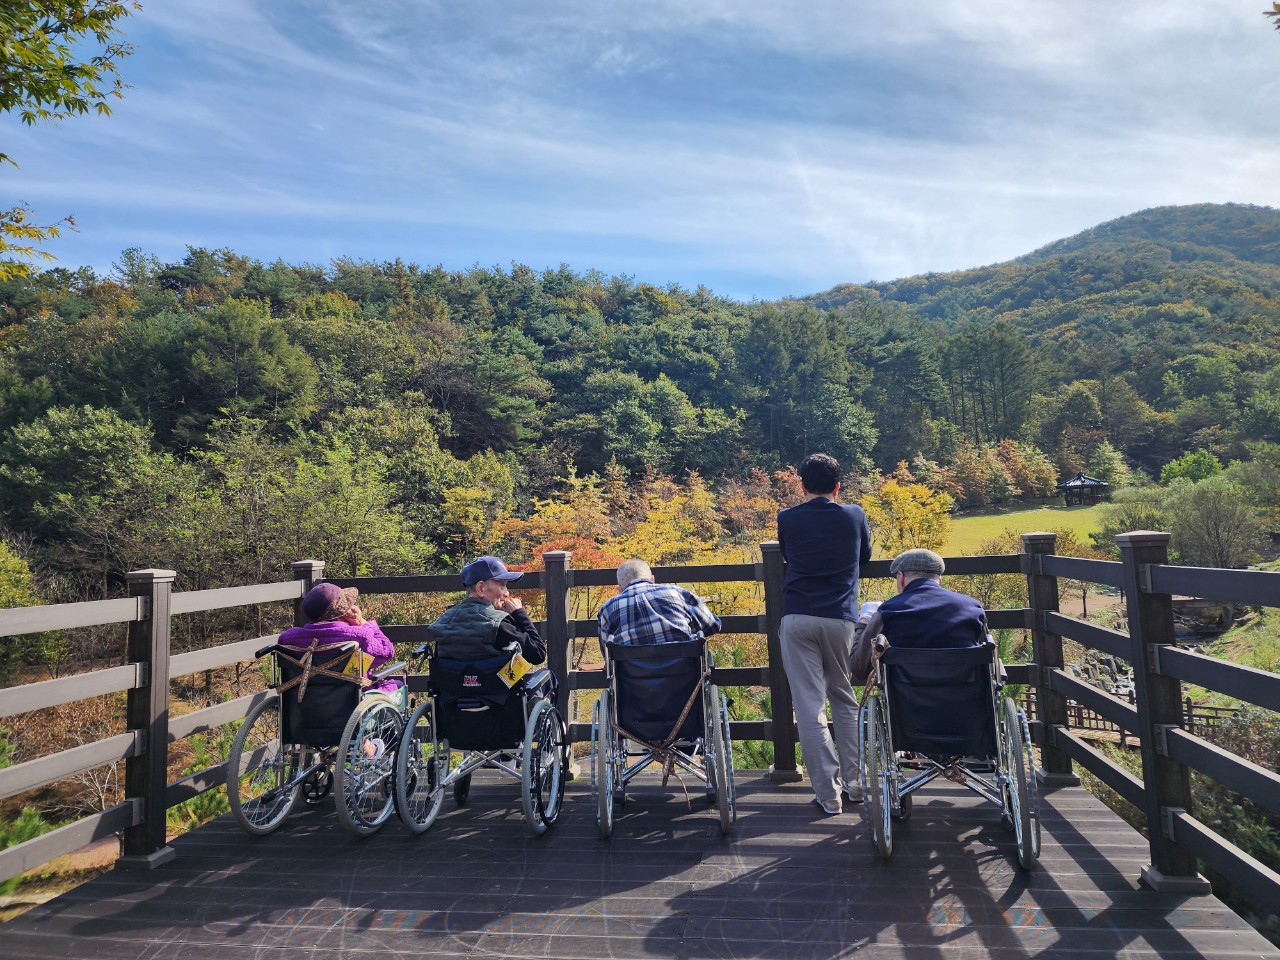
[(368, 634)]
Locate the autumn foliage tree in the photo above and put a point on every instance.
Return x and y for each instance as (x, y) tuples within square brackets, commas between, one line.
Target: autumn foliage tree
[(905, 515)]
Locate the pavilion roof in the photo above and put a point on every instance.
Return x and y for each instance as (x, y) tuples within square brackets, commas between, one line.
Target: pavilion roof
[(1083, 480)]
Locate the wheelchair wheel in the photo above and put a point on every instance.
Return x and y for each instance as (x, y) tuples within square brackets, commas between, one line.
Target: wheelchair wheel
[(722, 762), (542, 767), (462, 790), (366, 766), (319, 783), (421, 765), (601, 764), (902, 813), (877, 775), (260, 771), (1021, 789)]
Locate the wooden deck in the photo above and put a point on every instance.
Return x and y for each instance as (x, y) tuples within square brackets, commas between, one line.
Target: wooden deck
[(789, 883)]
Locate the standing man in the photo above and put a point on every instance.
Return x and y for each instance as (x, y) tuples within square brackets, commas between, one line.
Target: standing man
[(825, 543)]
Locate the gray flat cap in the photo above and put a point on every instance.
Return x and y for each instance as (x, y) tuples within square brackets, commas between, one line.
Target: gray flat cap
[(918, 561)]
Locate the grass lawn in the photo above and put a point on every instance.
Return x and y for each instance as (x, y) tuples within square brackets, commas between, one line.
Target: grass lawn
[(969, 532)]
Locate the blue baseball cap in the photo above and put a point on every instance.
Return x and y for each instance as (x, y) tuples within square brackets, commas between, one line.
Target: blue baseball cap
[(487, 568)]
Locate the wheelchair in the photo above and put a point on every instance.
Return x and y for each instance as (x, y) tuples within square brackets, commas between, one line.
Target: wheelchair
[(317, 733), (659, 706), (930, 713), (476, 716)]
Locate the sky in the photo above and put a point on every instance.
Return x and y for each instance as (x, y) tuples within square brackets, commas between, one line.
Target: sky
[(760, 149)]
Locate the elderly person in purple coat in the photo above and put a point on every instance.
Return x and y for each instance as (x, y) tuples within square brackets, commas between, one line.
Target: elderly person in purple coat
[(336, 617)]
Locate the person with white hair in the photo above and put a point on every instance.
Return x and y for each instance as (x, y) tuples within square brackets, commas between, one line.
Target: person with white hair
[(645, 612), (925, 613)]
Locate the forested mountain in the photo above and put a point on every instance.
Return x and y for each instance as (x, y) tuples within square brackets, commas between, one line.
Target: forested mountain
[(442, 402)]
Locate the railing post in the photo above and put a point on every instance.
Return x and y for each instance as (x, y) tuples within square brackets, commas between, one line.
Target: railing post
[(783, 713), (146, 776), (1159, 703), (556, 564), (310, 572), (1046, 650)]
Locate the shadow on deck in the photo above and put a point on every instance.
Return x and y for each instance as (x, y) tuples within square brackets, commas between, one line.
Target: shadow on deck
[(789, 883)]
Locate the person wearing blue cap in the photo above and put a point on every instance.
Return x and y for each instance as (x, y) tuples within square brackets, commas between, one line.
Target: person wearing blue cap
[(488, 619)]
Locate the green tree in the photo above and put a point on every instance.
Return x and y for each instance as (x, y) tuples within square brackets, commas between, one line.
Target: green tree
[(45, 76), (1194, 466), (1134, 508), (1214, 525), (241, 363), (1107, 463), (64, 456)]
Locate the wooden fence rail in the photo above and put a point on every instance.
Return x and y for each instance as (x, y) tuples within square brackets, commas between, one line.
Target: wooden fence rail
[(1168, 730)]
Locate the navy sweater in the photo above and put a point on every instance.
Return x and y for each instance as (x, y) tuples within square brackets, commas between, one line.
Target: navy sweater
[(825, 544)]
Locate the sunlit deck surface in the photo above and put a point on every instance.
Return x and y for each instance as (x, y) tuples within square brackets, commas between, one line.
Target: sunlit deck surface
[(789, 883)]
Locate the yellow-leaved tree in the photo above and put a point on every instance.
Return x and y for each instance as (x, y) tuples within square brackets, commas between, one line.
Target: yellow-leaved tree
[(904, 515), (680, 525)]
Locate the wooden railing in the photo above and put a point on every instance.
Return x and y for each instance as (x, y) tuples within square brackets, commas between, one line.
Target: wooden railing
[(1155, 717), (1201, 720)]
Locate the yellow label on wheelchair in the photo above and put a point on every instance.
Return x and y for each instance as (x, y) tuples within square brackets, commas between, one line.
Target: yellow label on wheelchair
[(358, 664), (511, 672)]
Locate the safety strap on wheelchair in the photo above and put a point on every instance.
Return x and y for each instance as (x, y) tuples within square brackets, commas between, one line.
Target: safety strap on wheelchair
[(662, 750), (310, 669), (873, 672)]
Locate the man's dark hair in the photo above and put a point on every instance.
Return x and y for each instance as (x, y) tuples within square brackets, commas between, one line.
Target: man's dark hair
[(819, 473)]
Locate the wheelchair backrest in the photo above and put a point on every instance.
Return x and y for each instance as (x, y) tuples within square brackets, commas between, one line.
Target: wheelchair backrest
[(652, 684), (475, 709), (941, 700), (317, 715)]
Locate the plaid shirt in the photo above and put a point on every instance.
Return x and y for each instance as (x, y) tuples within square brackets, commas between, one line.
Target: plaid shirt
[(646, 613)]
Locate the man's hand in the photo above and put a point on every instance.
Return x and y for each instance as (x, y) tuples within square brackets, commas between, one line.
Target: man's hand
[(510, 604)]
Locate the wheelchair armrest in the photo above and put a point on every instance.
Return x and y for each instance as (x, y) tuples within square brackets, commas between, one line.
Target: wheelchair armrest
[(264, 651), (535, 680), (391, 669), (421, 650)]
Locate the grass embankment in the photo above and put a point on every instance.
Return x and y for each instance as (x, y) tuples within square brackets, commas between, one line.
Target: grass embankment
[(970, 531)]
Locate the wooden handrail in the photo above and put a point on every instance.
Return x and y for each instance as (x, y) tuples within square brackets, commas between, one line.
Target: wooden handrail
[(1156, 717)]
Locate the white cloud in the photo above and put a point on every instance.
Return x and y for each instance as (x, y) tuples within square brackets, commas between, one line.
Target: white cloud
[(806, 145)]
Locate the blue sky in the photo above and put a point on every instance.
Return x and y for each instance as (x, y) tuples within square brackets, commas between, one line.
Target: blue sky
[(762, 149)]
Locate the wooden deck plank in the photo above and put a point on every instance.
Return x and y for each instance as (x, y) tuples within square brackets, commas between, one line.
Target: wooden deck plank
[(789, 883)]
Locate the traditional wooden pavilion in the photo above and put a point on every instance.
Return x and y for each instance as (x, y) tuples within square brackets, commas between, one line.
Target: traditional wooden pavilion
[(1084, 489)]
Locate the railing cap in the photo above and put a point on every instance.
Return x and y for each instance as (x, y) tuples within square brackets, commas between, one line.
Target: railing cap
[(1039, 538), (1136, 538), (151, 575)]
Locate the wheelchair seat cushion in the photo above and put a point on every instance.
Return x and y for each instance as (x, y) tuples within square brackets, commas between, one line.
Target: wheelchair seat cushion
[(653, 685), (940, 701)]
